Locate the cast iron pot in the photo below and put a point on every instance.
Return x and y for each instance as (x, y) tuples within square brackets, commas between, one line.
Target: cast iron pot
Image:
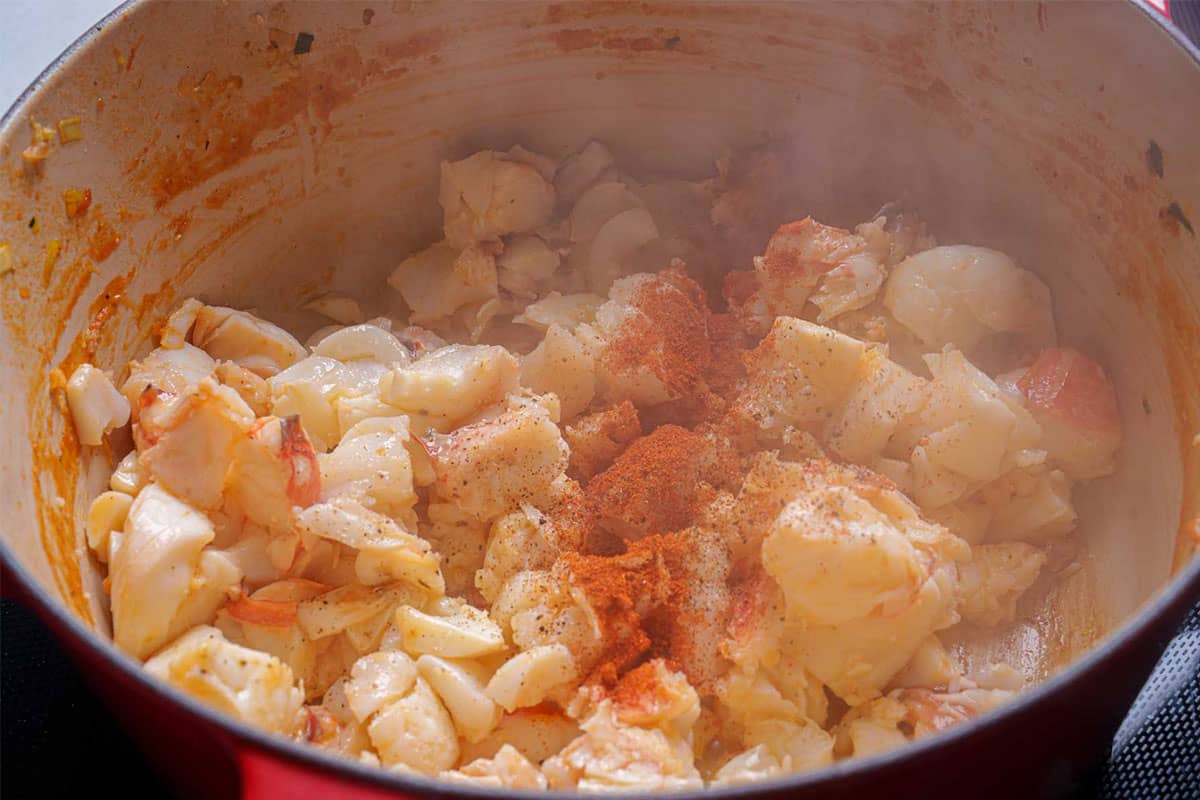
[(255, 153)]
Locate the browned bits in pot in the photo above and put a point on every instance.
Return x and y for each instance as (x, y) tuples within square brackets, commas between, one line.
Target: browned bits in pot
[(77, 202), (103, 241)]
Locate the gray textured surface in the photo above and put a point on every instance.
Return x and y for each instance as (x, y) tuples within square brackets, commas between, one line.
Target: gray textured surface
[(1156, 753)]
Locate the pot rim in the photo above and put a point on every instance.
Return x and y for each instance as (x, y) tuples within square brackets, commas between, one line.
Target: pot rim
[(1182, 587)]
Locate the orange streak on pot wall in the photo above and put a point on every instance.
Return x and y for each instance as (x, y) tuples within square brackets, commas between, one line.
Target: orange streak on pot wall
[(1180, 340), (55, 473), (222, 128), (57, 457)]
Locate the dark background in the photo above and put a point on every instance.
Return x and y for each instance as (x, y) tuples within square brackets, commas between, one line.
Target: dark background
[(56, 738)]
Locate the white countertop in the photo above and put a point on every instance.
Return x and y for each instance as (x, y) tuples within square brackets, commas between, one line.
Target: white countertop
[(34, 32)]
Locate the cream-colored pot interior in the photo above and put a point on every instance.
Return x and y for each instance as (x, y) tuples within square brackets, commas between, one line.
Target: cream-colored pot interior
[(233, 168)]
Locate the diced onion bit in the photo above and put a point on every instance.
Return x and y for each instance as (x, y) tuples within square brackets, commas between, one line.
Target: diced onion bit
[(53, 248), (40, 133), (6, 258), (36, 153), (39, 143), (77, 202), (70, 129)]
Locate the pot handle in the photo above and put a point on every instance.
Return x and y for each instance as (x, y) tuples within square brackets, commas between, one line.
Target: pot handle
[(269, 777)]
